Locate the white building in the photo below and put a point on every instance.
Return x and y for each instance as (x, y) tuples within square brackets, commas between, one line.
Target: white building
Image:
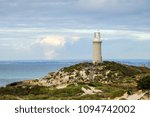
[(97, 50)]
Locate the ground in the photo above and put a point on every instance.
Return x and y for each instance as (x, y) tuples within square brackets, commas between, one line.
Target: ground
[(84, 81)]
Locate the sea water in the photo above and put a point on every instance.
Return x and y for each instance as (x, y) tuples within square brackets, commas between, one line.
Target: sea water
[(12, 71)]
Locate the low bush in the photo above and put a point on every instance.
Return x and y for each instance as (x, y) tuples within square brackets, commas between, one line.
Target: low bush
[(144, 83)]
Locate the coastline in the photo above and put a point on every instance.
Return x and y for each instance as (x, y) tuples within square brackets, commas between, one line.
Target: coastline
[(52, 66), (107, 80)]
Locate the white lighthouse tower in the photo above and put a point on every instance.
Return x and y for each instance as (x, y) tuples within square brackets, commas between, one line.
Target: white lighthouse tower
[(97, 51)]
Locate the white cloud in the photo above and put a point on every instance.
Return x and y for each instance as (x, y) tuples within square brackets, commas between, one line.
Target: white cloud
[(113, 34), (58, 40), (126, 34), (53, 41), (52, 44), (142, 36)]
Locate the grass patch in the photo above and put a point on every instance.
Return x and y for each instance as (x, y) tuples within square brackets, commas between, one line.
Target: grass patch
[(95, 84), (125, 70), (26, 90), (110, 91), (39, 92), (89, 97), (79, 67)]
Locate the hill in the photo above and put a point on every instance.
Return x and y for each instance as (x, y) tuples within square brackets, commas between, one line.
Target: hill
[(107, 80)]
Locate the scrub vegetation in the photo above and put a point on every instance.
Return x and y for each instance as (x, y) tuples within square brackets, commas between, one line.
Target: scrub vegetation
[(111, 79)]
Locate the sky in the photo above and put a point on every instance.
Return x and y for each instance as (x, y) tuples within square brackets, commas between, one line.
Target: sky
[(63, 29)]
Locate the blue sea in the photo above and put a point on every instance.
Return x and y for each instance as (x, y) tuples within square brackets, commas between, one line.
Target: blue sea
[(12, 71)]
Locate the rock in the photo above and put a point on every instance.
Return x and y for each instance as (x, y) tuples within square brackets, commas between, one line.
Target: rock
[(15, 83), (62, 86), (116, 74), (95, 90), (136, 96), (87, 91), (125, 95), (108, 72), (146, 96), (65, 79), (91, 76), (90, 90)]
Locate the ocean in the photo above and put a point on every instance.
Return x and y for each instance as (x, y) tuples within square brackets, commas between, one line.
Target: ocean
[(12, 71)]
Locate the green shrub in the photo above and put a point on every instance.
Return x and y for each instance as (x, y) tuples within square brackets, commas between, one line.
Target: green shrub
[(117, 93), (76, 67), (144, 83), (89, 97), (124, 70), (95, 84), (8, 97), (65, 92)]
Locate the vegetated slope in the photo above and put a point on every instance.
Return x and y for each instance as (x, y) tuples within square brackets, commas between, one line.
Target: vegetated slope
[(106, 80)]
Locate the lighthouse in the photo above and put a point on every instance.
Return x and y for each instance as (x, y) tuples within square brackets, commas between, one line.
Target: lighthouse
[(97, 50)]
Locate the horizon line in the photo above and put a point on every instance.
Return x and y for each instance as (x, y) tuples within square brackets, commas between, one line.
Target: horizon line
[(71, 59)]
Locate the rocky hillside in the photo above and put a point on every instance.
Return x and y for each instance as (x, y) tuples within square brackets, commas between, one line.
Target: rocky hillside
[(106, 72), (107, 80)]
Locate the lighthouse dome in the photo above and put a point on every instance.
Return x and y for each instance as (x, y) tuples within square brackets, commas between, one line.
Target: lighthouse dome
[(96, 36)]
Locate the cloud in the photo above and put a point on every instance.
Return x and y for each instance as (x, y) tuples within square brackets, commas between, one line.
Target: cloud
[(126, 34), (4, 44), (75, 38), (49, 54), (57, 41), (63, 36), (23, 24), (114, 34), (53, 44), (113, 5), (142, 36)]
